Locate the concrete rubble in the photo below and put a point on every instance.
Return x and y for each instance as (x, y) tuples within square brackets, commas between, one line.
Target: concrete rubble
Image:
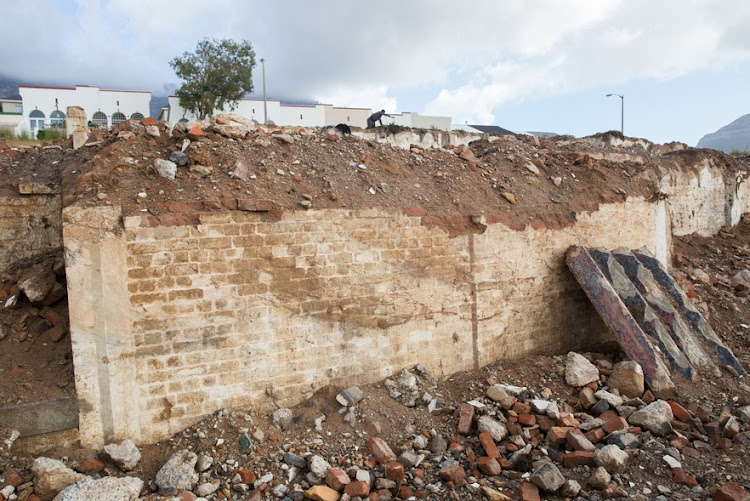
[(513, 442)]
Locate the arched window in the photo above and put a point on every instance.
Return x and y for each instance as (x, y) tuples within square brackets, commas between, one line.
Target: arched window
[(182, 121), (36, 122), (117, 118), (100, 120), (57, 119), (136, 116)]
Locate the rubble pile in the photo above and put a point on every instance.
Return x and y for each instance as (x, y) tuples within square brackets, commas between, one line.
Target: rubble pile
[(34, 330), (600, 435)]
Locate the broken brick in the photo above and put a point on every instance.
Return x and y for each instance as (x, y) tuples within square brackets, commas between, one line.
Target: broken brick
[(452, 472), (578, 458), (380, 450), (529, 492), (488, 443), (465, 418), (679, 411), (394, 471), (357, 488), (489, 466)]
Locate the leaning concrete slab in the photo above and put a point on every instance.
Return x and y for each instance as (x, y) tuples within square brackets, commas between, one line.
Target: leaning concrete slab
[(619, 270), (650, 308), (689, 313), (615, 313), (39, 418)]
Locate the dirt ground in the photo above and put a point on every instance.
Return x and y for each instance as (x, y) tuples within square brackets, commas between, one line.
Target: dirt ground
[(346, 172)]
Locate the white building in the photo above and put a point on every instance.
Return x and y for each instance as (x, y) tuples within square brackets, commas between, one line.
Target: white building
[(314, 115), (45, 107)]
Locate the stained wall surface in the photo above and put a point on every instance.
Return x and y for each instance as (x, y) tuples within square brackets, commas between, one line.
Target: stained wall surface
[(30, 223), (170, 323)]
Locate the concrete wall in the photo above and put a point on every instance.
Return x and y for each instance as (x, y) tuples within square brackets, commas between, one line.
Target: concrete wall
[(317, 115), (703, 198), (30, 223), (170, 323), (302, 116), (356, 117)]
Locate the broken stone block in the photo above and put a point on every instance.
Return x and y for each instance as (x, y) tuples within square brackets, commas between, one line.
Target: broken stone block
[(37, 281), (165, 168), (627, 378), (612, 458), (655, 417), (547, 477), (579, 371), (52, 476), (178, 473)]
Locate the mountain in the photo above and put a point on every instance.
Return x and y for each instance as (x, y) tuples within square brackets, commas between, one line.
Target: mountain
[(730, 138)]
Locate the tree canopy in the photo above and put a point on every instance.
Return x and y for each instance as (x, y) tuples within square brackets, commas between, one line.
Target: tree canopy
[(215, 77)]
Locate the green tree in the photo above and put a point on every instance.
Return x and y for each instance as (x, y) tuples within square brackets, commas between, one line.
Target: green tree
[(215, 77)]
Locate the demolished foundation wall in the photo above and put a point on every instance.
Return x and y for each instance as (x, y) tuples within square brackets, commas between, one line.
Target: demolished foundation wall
[(30, 223), (170, 323)]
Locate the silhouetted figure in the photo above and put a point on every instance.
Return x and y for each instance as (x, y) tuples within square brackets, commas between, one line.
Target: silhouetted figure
[(345, 129), (376, 117)]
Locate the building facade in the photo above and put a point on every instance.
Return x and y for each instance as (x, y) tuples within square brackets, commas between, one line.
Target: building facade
[(46, 107), (315, 115)]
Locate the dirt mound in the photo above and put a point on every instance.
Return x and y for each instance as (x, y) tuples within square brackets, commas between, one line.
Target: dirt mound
[(516, 180)]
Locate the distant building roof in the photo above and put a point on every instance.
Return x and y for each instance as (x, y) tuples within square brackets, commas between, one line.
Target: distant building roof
[(14, 97), (491, 129), (542, 134)]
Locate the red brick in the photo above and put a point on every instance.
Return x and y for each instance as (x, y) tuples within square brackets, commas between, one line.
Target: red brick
[(596, 435), (731, 492), (679, 476), (679, 411), (337, 479), (465, 418), (452, 472), (55, 334), (488, 443), (380, 450), (527, 419), (90, 465), (489, 466), (12, 477), (357, 488), (149, 121), (247, 476), (521, 408), (578, 458), (529, 492), (404, 492), (648, 397), (615, 424), (394, 471), (578, 441), (196, 133), (558, 434), (568, 420)]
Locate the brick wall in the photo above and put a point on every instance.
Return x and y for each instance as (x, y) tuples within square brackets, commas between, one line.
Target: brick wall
[(170, 323), (30, 223)]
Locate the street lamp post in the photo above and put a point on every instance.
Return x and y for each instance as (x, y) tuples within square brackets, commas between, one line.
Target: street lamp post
[(622, 112), (265, 103)]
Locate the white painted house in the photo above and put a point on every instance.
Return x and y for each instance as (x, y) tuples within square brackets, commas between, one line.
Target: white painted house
[(314, 115), (45, 107)]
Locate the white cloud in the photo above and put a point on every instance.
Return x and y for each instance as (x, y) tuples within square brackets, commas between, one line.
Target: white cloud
[(472, 58)]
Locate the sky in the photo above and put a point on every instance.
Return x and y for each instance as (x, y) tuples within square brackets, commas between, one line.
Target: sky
[(683, 66)]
